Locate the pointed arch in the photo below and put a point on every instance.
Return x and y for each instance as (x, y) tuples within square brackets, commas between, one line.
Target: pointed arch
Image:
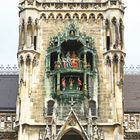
[(67, 16), (114, 20), (92, 17), (115, 58), (43, 16), (75, 16), (100, 16), (59, 16), (84, 17), (73, 134), (51, 16)]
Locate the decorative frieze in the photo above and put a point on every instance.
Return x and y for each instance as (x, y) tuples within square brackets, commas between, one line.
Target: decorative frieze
[(8, 70), (7, 121), (132, 122), (67, 5)]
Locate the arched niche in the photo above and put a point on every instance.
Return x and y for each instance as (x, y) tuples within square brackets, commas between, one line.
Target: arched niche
[(92, 107), (72, 134), (50, 107)]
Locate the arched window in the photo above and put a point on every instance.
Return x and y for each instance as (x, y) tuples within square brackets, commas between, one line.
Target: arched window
[(121, 32), (107, 35)]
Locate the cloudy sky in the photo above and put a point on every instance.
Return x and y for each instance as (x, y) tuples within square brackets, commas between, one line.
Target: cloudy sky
[(9, 32)]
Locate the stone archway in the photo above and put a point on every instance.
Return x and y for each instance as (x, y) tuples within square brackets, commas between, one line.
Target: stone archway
[(72, 135)]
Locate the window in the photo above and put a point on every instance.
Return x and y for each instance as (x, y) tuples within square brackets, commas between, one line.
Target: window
[(35, 42), (108, 43)]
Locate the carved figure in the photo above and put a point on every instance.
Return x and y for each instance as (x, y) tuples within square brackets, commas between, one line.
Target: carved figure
[(68, 60), (79, 84), (74, 60), (63, 82), (64, 62), (71, 81)]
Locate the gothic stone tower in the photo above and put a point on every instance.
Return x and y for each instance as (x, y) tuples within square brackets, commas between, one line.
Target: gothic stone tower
[(71, 57)]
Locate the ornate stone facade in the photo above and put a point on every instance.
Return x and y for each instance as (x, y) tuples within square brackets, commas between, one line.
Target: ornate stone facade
[(71, 57), (7, 124)]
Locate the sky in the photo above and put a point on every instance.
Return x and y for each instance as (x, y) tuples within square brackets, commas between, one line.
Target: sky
[(9, 32)]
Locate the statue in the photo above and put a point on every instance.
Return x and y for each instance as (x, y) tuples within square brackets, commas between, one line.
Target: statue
[(74, 60), (64, 62), (63, 82), (57, 65), (68, 60), (79, 84), (71, 81)]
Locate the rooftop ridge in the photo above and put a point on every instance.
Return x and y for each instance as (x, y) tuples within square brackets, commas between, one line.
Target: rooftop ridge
[(132, 70), (8, 70), (13, 70)]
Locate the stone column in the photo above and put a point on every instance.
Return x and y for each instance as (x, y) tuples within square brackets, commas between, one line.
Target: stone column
[(94, 62), (24, 70), (112, 77), (118, 69), (30, 75), (85, 75)]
